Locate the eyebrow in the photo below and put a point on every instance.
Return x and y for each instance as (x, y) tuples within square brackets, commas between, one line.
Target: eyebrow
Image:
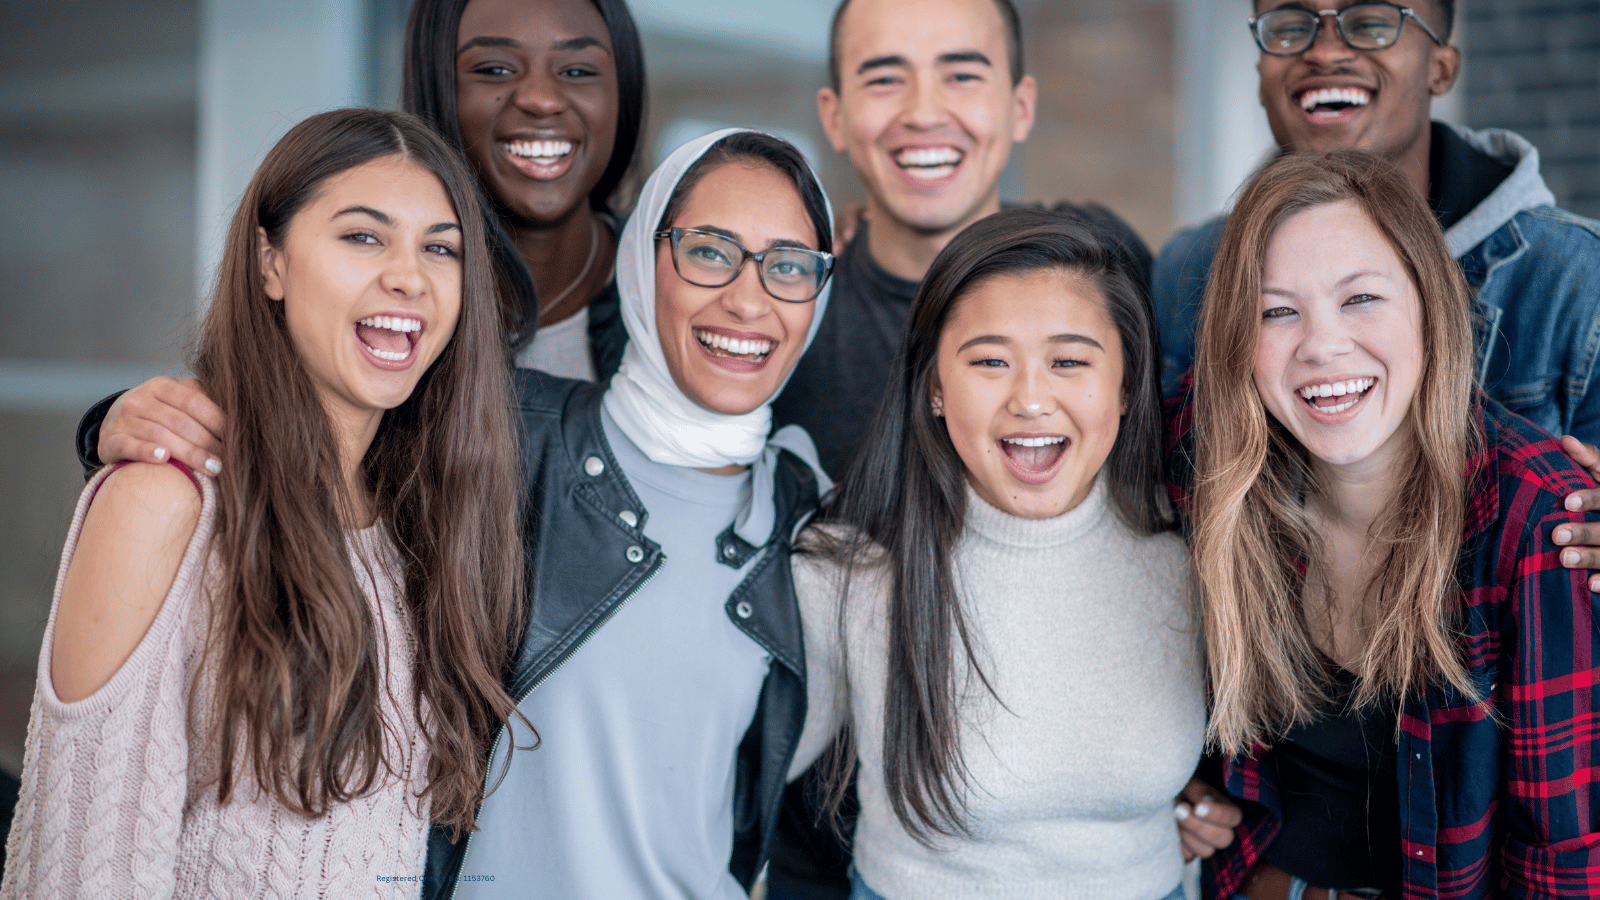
[(954, 57), (577, 43), (963, 56), (385, 219), (734, 236), (1052, 339)]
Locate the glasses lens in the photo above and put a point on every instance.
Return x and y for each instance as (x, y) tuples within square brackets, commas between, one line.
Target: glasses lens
[(1285, 32), (708, 260), (793, 274), (1370, 26)]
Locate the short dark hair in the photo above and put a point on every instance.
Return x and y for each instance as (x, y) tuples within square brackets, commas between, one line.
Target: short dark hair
[(762, 149), (1008, 16)]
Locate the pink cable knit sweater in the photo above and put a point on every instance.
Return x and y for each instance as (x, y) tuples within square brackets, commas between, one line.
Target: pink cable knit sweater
[(119, 789)]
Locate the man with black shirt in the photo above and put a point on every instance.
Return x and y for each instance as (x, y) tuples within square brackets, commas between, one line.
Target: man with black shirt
[(1364, 77)]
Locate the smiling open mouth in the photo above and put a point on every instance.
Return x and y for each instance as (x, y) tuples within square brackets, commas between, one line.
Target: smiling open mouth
[(928, 163), (544, 153), (1333, 101), (390, 338), (1336, 397), (720, 345), (1034, 455)]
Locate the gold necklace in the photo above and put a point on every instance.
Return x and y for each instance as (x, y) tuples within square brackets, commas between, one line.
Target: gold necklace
[(594, 250)]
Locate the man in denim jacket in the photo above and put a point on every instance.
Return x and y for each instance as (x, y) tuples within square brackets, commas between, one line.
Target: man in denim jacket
[(1535, 268)]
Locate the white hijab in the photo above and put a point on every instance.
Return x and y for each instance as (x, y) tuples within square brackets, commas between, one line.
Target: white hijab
[(645, 402)]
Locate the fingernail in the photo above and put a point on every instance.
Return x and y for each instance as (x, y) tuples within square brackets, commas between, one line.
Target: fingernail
[(160, 454), (1180, 812), (1569, 557), (1563, 535), (1573, 502), (214, 466), (1202, 810)]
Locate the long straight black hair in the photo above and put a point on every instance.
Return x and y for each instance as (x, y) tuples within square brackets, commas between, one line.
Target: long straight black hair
[(428, 90), (903, 502)]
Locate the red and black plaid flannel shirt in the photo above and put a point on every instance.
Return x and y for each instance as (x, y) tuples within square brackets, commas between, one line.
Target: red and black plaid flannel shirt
[(1508, 809)]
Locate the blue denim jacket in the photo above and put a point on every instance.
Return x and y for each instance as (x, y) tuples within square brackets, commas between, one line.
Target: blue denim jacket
[(1535, 270)]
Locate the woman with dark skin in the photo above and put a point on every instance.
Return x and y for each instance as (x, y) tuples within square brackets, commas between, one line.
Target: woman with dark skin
[(502, 81)]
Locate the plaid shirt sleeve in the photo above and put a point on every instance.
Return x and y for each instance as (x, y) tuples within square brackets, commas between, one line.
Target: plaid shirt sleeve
[(1549, 814)]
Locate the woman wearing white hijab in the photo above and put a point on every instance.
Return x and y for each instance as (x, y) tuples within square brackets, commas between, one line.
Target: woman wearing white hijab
[(664, 667), (663, 663)]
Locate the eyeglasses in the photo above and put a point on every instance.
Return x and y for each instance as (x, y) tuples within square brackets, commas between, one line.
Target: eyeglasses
[(1365, 26), (707, 259)]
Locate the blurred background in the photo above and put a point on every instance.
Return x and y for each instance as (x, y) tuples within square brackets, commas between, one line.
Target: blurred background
[(128, 129)]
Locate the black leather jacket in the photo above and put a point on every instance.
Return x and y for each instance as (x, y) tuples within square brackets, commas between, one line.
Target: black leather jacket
[(584, 535)]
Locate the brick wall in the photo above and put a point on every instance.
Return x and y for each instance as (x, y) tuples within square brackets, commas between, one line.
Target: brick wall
[(1533, 66)]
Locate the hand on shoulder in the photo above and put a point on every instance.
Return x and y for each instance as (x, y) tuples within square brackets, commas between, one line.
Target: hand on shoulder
[(132, 543)]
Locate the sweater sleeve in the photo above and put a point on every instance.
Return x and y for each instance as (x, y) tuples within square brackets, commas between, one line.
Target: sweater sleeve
[(105, 778), (816, 585)]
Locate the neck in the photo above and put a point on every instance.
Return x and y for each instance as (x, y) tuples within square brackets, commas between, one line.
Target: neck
[(1354, 496), (354, 435), (907, 252), (556, 253), (1413, 163)]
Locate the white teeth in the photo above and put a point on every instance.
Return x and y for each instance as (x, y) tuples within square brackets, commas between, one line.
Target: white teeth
[(392, 323), (1310, 100), (391, 355), (1337, 389), (538, 149), (730, 345), (928, 156), (1034, 441)]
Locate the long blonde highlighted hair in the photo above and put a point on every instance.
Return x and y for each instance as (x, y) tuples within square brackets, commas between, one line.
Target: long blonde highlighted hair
[(1252, 539)]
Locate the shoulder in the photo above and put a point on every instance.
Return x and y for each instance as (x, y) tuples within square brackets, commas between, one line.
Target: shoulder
[(139, 538), (1551, 221), (1525, 456), (540, 393)]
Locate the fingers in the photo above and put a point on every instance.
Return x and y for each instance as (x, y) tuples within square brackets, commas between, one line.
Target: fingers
[(1206, 820), (161, 419), (1581, 543), (1585, 455)]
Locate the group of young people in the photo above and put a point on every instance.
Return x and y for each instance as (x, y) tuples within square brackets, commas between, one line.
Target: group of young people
[(483, 556)]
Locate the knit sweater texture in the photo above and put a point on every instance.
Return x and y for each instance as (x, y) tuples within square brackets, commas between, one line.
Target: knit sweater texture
[(119, 795), (1082, 628)]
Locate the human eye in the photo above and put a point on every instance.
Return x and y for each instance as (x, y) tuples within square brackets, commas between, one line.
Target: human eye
[(578, 72), (707, 254), (966, 77), (790, 267), (987, 362), (1069, 362), (493, 70), (1277, 312), (362, 237), (885, 80), (443, 248), (1362, 299)]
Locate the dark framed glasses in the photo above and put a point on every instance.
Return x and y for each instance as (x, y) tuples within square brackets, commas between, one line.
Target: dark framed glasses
[(1365, 26), (708, 259)]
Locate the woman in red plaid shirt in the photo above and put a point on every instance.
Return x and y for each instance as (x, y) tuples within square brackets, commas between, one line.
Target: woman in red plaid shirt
[(1402, 674)]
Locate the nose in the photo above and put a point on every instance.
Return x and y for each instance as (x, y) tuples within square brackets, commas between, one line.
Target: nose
[(1030, 395), (744, 296), (1324, 340), (403, 277), (925, 103), (537, 93), (1328, 48)]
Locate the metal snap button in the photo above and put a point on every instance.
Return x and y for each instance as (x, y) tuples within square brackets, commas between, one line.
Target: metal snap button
[(628, 518), (635, 554), (730, 551), (594, 466), (743, 609)]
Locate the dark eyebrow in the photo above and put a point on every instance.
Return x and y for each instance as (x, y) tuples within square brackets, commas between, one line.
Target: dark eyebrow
[(363, 210), (488, 41), (963, 56), (444, 226), (1054, 339), (882, 62), (733, 236), (579, 43)]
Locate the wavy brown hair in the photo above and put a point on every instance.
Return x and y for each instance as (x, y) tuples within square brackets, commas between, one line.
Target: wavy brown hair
[(1252, 538), (295, 645), (903, 499)]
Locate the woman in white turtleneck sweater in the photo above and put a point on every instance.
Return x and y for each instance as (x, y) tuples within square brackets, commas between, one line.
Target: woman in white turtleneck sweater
[(1018, 677)]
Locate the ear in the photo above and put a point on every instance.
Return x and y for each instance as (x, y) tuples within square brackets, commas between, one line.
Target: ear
[(829, 110), (272, 276), (1024, 103), (1444, 66)]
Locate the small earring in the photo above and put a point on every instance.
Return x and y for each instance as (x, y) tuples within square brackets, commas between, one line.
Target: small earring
[(937, 405)]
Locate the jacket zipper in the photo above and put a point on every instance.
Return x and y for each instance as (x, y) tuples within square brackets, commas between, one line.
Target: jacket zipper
[(649, 577)]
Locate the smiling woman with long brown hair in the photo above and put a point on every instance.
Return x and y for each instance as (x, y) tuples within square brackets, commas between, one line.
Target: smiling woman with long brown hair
[(274, 680), (1400, 671)]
